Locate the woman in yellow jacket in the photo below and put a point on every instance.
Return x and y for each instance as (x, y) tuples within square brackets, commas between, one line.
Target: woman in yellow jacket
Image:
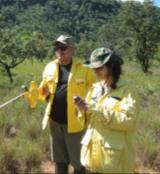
[(108, 110)]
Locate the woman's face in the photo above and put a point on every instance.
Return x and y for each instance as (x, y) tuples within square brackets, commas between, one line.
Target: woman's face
[(102, 72)]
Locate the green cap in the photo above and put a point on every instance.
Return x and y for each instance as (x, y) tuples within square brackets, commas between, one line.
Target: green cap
[(99, 57), (63, 39)]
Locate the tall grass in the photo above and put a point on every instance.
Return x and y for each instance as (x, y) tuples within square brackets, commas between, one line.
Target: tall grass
[(24, 145), (148, 134)]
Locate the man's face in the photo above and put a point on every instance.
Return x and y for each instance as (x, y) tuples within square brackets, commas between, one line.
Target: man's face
[(64, 53)]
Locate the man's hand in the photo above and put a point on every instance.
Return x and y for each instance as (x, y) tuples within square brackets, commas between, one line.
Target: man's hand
[(32, 94), (43, 91)]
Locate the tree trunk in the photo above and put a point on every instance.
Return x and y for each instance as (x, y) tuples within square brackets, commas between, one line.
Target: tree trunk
[(9, 74)]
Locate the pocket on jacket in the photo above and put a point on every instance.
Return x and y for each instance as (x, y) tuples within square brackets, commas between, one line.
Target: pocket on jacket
[(112, 158), (79, 86), (100, 157), (79, 81)]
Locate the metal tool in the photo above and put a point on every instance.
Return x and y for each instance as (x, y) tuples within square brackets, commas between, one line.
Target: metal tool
[(14, 98)]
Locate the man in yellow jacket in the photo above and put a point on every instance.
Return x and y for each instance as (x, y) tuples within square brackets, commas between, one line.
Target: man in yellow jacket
[(63, 79)]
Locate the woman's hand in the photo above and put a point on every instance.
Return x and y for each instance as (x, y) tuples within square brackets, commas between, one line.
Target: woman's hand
[(80, 103)]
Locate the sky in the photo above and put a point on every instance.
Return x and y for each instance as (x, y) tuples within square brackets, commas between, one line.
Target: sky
[(157, 2)]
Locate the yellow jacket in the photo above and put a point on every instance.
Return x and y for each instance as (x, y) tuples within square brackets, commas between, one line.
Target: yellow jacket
[(107, 146), (79, 81)]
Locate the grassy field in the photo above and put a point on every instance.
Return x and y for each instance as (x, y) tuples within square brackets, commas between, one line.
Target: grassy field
[(24, 146)]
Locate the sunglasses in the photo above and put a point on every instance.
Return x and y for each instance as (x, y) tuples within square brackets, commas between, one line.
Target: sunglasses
[(61, 47)]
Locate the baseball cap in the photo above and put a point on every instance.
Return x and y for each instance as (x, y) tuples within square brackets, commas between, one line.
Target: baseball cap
[(63, 39), (99, 57)]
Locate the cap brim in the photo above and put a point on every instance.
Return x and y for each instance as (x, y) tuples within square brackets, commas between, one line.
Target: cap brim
[(92, 66), (88, 64), (59, 42)]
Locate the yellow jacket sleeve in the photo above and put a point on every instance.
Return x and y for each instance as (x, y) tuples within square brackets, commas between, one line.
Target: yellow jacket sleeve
[(120, 115)]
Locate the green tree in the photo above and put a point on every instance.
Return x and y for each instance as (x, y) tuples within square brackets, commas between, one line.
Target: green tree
[(17, 45), (141, 23)]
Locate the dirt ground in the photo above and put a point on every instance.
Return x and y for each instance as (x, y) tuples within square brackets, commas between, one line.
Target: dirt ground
[(48, 167)]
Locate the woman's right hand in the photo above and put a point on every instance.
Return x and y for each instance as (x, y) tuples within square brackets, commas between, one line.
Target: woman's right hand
[(81, 104)]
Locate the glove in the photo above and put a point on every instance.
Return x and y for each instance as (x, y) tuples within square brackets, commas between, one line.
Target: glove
[(32, 94)]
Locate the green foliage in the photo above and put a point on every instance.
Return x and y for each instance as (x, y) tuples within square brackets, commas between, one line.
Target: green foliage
[(17, 45), (23, 146), (131, 29), (142, 22), (79, 17), (84, 48), (147, 137)]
